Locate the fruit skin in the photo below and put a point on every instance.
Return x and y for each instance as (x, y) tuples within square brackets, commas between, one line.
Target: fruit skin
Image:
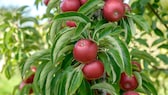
[(138, 66), (85, 51), (93, 70), (46, 2), (130, 93), (128, 82), (30, 79), (113, 10), (70, 5), (71, 23), (83, 1)]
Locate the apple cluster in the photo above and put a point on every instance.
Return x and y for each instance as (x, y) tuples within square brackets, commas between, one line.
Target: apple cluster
[(113, 10), (85, 52)]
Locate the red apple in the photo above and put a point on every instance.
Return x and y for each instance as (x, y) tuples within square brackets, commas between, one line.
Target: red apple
[(113, 10), (30, 79), (83, 1), (93, 70), (131, 93), (70, 5), (85, 51), (128, 82), (71, 23), (46, 2)]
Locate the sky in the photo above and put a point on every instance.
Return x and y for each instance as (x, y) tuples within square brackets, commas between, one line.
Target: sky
[(18, 3)]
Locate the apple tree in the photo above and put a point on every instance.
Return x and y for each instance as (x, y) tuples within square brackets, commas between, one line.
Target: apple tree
[(91, 47)]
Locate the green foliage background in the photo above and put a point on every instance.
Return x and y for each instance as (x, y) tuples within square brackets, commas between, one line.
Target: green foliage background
[(19, 41)]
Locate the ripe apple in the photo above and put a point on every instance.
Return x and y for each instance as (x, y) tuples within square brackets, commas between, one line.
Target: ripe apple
[(30, 79), (71, 23), (83, 1), (70, 5), (128, 82), (137, 65), (46, 2), (130, 93), (93, 70), (113, 10), (85, 51)]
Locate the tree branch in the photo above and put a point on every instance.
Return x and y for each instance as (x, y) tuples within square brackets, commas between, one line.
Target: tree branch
[(157, 15)]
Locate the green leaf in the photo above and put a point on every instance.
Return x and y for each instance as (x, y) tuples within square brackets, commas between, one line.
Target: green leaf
[(140, 21), (149, 87), (21, 9), (127, 24), (123, 52), (158, 32), (117, 58), (106, 60), (163, 57), (64, 51), (105, 86), (143, 55), (33, 58), (139, 78), (54, 29), (106, 29), (7, 70), (59, 84), (72, 16), (142, 41), (132, 25), (44, 73), (158, 41), (67, 61), (49, 79), (115, 70), (82, 27), (52, 4), (90, 6), (75, 83), (164, 46), (25, 89), (60, 43), (36, 83), (29, 19), (84, 89)]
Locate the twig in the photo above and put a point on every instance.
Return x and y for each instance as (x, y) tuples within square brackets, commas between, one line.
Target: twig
[(157, 15)]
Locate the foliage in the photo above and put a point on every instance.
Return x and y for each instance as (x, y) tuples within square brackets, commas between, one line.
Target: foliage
[(137, 37)]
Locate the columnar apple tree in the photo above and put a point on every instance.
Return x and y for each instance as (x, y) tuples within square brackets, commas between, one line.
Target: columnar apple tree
[(89, 53)]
